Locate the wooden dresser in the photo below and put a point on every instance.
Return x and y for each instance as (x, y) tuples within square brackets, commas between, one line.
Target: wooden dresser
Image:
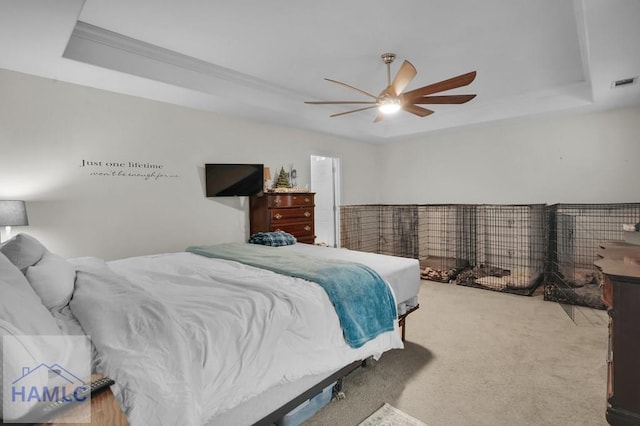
[(620, 264), (290, 212)]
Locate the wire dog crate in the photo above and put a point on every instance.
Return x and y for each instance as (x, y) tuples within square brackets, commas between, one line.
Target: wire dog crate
[(438, 235), (378, 228), (445, 237), (360, 227), (510, 249), (499, 247), (575, 234)]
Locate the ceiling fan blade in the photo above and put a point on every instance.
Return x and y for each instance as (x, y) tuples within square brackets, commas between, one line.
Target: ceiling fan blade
[(354, 110), (339, 102), (450, 99), (415, 109), (379, 117), (405, 74), (441, 86), (351, 87)]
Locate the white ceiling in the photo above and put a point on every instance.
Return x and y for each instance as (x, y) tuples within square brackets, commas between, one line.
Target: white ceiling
[(263, 59)]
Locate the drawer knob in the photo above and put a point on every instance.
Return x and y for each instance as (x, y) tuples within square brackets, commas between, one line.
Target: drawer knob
[(278, 216), (306, 200), (307, 228), (277, 201), (307, 214), (278, 230)]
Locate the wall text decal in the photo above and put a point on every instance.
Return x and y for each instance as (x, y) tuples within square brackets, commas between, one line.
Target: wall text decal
[(127, 169)]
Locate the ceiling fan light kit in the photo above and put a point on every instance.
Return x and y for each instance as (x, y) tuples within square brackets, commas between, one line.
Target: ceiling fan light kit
[(389, 106), (392, 98)]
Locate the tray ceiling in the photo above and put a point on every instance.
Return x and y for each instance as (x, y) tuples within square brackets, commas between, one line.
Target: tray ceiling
[(262, 60)]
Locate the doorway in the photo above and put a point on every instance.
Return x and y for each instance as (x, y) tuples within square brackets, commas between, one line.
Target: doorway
[(325, 182)]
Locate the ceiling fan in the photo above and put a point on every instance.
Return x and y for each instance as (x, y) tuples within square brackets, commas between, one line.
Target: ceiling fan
[(392, 99)]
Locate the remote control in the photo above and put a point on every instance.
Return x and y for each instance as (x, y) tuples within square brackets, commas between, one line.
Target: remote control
[(94, 388), (44, 412), (101, 384)]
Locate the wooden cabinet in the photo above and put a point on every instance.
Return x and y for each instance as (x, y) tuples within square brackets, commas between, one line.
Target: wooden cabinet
[(290, 212), (620, 264)]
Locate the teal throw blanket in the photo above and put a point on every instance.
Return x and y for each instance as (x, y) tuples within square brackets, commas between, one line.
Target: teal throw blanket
[(363, 301)]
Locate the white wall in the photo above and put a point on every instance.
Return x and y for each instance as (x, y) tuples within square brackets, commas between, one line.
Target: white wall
[(48, 128), (584, 158)]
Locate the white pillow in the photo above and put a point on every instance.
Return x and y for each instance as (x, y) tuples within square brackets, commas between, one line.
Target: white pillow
[(20, 305), (23, 250), (11, 275), (52, 279), (21, 313)]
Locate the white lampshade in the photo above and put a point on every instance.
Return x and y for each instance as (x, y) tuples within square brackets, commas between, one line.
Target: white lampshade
[(13, 213)]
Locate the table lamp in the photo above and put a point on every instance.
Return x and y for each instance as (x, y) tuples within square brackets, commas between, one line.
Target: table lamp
[(12, 213)]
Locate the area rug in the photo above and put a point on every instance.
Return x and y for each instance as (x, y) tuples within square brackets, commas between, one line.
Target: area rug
[(390, 416)]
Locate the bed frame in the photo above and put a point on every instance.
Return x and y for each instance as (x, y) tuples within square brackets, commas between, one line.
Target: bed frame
[(280, 412), (403, 317)]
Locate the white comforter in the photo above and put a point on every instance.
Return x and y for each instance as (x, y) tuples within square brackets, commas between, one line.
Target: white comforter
[(188, 338)]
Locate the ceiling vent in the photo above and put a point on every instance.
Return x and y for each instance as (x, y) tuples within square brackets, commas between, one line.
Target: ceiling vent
[(624, 82)]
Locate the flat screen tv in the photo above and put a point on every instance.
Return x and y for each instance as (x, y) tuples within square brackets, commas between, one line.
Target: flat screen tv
[(229, 180)]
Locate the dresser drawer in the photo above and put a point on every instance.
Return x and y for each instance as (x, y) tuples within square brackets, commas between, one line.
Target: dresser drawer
[(307, 240), (298, 230), (291, 200), (288, 215), (607, 292), (610, 361)]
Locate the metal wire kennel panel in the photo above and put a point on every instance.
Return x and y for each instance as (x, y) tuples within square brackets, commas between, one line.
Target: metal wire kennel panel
[(445, 237), (510, 248), (575, 234), (399, 230), (360, 227)]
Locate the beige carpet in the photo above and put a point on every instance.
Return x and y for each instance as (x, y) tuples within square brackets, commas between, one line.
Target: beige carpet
[(478, 357)]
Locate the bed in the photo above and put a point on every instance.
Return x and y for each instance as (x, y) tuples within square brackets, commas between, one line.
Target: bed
[(185, 337)]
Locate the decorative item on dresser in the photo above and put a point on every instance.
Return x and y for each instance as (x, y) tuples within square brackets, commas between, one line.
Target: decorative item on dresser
[(620, 264), (291, 212)]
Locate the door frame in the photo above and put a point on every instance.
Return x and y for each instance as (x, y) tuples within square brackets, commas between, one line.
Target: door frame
[(335, 187)]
